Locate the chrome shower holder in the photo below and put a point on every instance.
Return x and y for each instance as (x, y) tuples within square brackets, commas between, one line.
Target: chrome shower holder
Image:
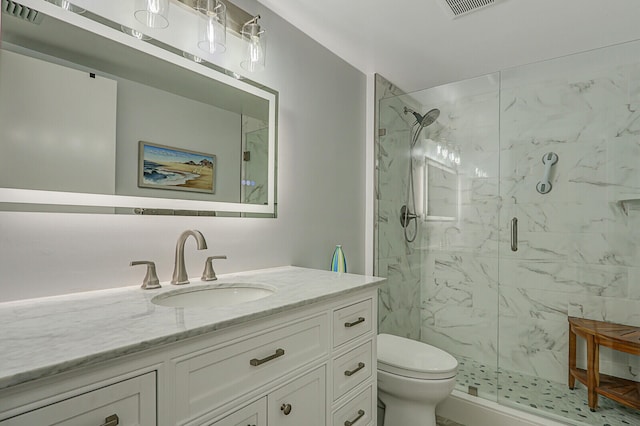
[(549, 159)]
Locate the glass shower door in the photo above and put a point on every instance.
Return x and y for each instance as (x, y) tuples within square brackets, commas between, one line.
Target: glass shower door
[(569, 155), (442, 287), (396, 259), (459, 295)]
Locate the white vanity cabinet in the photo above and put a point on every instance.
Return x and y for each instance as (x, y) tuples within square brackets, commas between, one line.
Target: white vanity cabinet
[(131, 402), (220, 374), (317, 368), (312, 365)]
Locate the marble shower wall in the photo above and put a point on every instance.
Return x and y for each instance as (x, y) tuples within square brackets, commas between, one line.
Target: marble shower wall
[(578, 245), (578, 251), (459, 292), (398, 261)]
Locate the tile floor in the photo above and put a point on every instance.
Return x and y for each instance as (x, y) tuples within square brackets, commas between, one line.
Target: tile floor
[(542, 397)]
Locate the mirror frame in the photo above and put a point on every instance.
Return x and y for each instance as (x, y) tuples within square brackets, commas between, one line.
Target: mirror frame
[(169, 54)]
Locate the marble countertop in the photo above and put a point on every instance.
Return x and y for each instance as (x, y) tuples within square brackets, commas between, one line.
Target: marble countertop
[(45, 336)]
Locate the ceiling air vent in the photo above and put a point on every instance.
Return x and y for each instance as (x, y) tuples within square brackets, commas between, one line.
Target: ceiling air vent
[(22, 12), (457, 8)]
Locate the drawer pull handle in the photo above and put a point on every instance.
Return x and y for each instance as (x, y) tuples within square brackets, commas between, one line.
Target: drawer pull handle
[(286, 409), (112, 420), (256, 361), (352, 372), (352, 422), (351, 324)]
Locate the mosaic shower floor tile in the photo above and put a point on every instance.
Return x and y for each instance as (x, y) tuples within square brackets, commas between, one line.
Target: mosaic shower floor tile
[(542, 397)]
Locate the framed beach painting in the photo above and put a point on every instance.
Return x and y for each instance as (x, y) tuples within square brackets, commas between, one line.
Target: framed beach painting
[(165, 167)]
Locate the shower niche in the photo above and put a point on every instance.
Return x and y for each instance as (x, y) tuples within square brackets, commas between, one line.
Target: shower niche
[(441, 192)]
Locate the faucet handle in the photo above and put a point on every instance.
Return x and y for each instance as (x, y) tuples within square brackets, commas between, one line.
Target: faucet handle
[(209, 274), (150, 280)]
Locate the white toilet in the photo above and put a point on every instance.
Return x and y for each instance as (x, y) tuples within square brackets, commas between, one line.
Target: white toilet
[(413, 377)]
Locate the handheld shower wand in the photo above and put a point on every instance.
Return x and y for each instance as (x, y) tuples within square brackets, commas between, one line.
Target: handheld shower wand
[(406, 215)]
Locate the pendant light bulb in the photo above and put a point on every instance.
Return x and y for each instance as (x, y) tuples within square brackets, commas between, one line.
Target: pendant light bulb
[(212, 31), (152, 13), (254, 39)]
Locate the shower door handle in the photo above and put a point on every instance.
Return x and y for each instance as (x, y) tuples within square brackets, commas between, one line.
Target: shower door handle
[(514, 234)]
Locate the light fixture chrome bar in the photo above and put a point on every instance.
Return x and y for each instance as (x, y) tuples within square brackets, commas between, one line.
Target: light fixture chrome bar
[(236, 17)]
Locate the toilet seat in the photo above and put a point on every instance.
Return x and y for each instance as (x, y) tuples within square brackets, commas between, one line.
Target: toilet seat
[(410, 358)]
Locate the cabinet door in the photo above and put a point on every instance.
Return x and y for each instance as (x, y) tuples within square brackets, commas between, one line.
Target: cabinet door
[(128, 403), (301, 402), (252, 415)]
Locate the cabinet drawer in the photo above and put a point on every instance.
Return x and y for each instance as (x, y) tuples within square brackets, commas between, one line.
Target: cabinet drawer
[(133, 401), (351, 369), (351, 321), (252, 415), (299, 403), (208, 379), (357, 412)]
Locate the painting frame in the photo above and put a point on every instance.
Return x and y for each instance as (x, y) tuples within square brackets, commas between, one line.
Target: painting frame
[(177, 169)]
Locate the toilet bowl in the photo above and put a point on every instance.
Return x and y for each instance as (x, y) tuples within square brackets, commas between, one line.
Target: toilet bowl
[(413, 377)]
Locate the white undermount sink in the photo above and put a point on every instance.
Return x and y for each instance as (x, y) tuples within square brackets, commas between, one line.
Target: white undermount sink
[(211, 296)]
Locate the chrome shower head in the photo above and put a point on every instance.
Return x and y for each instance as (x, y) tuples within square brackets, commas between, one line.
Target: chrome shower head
[(424, 120), (430, 117)]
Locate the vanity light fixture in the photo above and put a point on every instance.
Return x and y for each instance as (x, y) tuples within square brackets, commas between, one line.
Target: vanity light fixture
[(212, 26), (214, 19), (255, 43), (152, 13)]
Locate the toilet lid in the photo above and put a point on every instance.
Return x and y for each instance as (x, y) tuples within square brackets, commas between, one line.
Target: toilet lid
[(411, 358)]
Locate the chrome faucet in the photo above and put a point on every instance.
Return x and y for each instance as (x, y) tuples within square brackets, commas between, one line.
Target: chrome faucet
[(180, 275)]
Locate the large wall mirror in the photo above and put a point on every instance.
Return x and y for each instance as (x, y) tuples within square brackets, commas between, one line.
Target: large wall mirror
[(94, 120)]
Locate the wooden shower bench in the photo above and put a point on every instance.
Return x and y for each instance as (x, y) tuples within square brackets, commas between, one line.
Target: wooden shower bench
[(623, 338)]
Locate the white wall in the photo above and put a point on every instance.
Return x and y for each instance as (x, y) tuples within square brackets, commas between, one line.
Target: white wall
[(44, 147), (321, 201)]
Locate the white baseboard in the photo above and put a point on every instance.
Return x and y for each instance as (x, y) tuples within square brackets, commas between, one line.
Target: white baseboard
[(474, 411)]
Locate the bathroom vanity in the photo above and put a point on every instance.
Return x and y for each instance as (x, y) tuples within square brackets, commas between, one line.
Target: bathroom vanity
[(302, 355)]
